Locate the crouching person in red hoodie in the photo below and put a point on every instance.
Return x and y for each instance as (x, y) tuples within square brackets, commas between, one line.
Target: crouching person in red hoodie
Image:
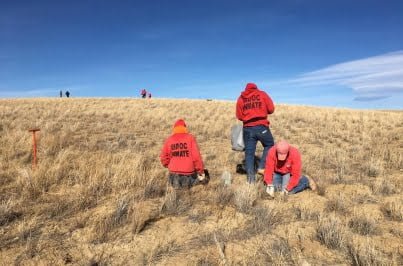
[(181, 155), (283, 170)]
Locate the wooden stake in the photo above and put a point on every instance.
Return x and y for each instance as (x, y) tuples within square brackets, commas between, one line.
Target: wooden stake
[(34, 159)]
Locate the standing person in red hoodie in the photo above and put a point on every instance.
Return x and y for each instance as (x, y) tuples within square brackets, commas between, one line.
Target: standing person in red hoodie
[(143, 93), (181, 155), (283, 170), (252, 108)]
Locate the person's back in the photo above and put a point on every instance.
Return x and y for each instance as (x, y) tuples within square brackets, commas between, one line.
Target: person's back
[(252, 108), (181, 155), (180, 148)]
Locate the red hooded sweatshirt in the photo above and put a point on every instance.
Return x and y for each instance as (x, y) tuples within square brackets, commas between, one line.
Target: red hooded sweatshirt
[(253, 106), (180, 152), (292, 164)]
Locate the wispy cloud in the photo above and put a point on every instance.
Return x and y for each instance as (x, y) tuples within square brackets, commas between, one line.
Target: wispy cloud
[(369, 98), (372, 78)]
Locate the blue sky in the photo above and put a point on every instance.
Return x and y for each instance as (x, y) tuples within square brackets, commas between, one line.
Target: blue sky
[(326, 53)]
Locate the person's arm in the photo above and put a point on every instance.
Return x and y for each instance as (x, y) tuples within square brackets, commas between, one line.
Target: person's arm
[(269, 167), (295, 171), (269, 104), (197, 159), (165, 155), (239, 105)]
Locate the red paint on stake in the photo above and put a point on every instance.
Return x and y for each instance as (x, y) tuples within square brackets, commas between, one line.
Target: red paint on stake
[(34, 159)]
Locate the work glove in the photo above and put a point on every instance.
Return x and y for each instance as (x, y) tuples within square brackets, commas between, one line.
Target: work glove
[(284, 192), (270, 190), (201, 177)]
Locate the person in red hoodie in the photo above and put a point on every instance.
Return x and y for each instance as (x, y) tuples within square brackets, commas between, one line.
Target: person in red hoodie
[(252, 108), (143, 93), (181, 155), (283, 170)]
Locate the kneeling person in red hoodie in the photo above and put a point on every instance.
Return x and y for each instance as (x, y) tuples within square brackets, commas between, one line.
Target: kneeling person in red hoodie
[(181, 155), (283, 170)]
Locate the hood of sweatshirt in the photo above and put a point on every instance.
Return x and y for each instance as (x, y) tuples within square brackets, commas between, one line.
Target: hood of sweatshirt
[(250, 89)]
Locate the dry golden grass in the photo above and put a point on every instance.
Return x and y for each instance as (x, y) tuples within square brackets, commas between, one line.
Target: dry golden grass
[(100, 197)]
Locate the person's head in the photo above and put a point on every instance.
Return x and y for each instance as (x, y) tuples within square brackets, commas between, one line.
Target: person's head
[(250, 86), (180, 126), (282, 148)]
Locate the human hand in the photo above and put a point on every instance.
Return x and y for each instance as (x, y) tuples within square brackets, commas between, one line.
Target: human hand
[(284, 192), (201, 177)]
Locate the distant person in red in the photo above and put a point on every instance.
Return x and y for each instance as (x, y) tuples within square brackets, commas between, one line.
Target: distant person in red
[(252, 108), (283, 170), (149, 95), (181, 155), (143, 93)]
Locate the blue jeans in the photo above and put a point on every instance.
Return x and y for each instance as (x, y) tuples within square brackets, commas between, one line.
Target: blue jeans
[(280, 182), (251, 135)]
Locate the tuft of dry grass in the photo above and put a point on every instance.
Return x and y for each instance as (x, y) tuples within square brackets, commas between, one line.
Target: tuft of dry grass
[(306, 212), (160, 251), (393, 209), (363, 224), (155, 186), (263, 220), (175, 202), (7, 212), (276, 251), (331, 232), (337, 204), (383, 186), (199, 216), (115, 218), (321, 190), (223, 195), (362, 253), (26, 230), (245, 197), (143, 214)]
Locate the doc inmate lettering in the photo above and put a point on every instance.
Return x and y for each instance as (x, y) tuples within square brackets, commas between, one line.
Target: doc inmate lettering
[(252, 103), (179, 150)]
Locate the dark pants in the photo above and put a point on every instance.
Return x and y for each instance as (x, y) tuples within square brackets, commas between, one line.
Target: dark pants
[(251, 136), (182, 181)]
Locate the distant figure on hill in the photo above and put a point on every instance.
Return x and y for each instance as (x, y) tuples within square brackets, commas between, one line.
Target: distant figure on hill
[(61, 94), (143, 93), (181, 155), (283, 171), (252, 108), (67, 94), (149, 95)]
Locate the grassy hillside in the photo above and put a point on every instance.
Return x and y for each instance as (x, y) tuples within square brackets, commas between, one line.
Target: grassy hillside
[(99, 195)]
